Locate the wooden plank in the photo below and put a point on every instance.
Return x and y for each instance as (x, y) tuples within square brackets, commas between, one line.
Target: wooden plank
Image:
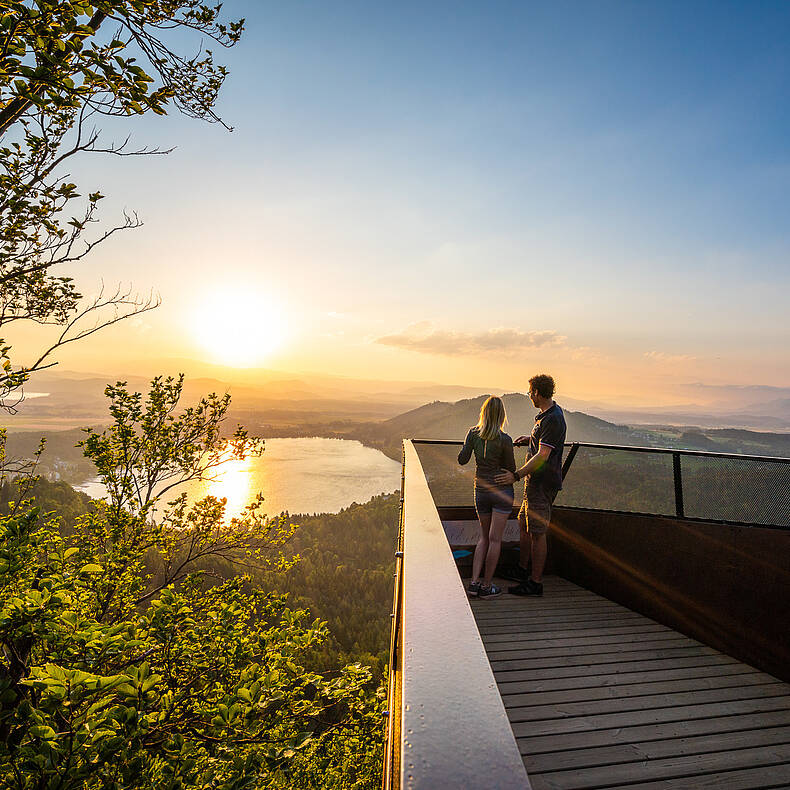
[(577, 633), (566, 656), (485, 618), (565, 616), (556, 678), (621, 641), (654, 750), (765, 778), (508, 604), (512, 603), (495, 611), (605, 721), (744, 722), (545, 601), (536, 713), (535, 621), (500, 607), (626, 685), (683, 768), (531, 628), (572, 661)]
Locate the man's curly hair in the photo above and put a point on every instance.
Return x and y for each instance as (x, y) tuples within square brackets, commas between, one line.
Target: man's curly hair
[(542, 384)]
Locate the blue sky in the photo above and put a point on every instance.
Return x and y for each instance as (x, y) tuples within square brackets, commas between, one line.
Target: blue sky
[(466, 192)]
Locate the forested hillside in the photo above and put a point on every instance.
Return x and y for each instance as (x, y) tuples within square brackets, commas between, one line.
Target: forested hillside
[(52, 497), (344, 576)]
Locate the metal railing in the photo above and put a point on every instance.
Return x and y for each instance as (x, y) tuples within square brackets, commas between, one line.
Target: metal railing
[(447, 723), (695, 485)]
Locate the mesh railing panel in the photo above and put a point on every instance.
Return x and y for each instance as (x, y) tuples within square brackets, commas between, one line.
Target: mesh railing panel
[(746, 490), (451, 484), (632, 482)]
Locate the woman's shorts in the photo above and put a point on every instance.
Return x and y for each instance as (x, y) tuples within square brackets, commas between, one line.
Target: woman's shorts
[(496, 498)]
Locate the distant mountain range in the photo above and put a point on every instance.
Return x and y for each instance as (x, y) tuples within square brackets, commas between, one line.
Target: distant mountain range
[(435, 420), (440, 420), (284, 401), (63, 399)]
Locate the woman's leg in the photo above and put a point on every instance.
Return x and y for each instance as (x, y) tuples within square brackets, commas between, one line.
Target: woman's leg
[(498, 522), (482, 546)]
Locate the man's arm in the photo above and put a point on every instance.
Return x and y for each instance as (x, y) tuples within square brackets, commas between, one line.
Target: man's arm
[(534, 463)]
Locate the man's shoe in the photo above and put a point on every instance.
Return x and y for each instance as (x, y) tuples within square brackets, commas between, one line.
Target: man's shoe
[(473, 590), (515, 573), (527, 587), (492, 591)]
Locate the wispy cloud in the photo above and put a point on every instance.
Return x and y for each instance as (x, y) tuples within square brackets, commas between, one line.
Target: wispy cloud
[(423, 338), (672, 359), (139, 325)]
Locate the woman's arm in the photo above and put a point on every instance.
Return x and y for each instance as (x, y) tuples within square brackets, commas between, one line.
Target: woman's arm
[(466, 450), (509, 460)]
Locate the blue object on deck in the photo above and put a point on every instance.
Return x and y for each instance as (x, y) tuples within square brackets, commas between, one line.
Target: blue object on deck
[(458, 553)]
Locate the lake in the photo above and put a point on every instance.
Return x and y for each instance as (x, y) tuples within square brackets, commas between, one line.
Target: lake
[(296, 475)]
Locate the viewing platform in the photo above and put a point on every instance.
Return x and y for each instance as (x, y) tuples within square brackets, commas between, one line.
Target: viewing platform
[(658, 657)]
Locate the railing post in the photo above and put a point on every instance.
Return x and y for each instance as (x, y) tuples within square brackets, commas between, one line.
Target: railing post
[(569, 459), (678, 485)]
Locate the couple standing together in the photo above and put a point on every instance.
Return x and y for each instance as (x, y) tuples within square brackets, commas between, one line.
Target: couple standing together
[(494, 478)]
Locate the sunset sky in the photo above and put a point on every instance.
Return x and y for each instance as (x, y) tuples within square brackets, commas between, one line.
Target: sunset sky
[(470, 193)]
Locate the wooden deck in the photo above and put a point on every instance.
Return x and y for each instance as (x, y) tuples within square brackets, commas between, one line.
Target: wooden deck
[(601, 697)]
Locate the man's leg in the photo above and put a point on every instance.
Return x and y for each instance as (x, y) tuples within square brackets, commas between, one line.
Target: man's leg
[(524, 542), (538, 516), (538, 556)]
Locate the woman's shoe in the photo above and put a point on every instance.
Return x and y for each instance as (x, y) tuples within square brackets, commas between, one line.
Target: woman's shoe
[(492, 591), (473, 590)]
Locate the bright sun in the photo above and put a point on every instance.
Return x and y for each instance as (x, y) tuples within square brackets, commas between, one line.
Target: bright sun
[(238, 329)]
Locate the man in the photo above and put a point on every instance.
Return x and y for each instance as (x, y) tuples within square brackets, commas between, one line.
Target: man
[(542, 475)]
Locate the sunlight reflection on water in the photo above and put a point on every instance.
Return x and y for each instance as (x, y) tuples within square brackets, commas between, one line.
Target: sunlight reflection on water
[(234, 481), (296, 475)]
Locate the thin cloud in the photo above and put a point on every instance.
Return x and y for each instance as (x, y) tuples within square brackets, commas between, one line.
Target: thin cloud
[(424, 340), (672, 359)]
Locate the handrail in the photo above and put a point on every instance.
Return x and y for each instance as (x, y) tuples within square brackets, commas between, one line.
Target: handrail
[(454, 731), (638, 449), (392, 755)]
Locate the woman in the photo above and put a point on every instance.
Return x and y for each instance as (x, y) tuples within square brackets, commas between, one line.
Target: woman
[(493, 450)]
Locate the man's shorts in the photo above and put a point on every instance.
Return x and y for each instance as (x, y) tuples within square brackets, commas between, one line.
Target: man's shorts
[(535, 513), (490, 497)]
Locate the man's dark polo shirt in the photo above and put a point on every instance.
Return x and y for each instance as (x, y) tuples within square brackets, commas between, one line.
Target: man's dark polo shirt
[(549, 431)]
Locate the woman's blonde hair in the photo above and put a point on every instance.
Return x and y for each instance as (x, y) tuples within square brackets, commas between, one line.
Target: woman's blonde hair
[(492, 418)]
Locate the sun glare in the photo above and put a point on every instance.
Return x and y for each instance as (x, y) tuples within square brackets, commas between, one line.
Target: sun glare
[(238, 329)]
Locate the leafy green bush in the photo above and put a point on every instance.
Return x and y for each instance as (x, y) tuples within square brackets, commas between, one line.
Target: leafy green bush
[(123, 667)]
